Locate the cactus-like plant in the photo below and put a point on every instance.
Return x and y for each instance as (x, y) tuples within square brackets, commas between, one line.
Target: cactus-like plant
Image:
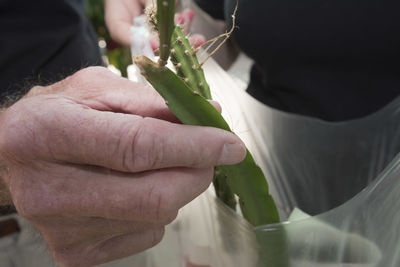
[(165, 16), (186, 96)]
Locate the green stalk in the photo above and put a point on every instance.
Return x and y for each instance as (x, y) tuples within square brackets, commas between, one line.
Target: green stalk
[(186, 97), (245, 179), (222, 189), (187, 68), (187, 64), (165, 20)]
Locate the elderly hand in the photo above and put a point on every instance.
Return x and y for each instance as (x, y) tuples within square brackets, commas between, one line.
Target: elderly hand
[(99, 166)]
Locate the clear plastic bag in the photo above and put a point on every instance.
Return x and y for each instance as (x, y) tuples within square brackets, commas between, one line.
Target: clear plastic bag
[(140, 45), (345, 174)]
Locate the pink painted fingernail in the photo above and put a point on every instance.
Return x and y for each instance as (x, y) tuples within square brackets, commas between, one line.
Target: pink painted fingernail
[(188, 13), (154, 42), (179, 19), (197, 40)]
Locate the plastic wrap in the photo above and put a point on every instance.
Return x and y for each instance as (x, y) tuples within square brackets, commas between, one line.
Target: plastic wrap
[(345, 174), (140, 45)]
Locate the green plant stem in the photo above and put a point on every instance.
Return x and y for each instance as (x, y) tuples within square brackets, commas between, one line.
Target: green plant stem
[(165, 20), (187, 64), (188, 68), (222, 189), (245, 179)]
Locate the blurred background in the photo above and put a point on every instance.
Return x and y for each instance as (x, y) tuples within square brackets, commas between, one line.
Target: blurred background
[(235, 63), (113, 53)]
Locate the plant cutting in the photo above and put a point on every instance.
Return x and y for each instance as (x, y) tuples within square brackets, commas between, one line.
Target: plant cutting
[(186, 93)]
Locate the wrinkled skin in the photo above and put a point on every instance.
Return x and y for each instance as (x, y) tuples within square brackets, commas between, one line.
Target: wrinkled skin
[(99, 165)]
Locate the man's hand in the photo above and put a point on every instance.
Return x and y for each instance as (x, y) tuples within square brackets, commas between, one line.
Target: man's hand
[(99, 166)]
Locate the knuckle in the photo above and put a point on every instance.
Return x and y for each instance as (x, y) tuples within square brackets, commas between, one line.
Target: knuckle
[(94, 80), (146, 147), (90, 72), (161, 207), (90, 78)]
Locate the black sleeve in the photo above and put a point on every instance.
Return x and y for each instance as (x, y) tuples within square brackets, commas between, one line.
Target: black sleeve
[(215, 8), (43, 45)]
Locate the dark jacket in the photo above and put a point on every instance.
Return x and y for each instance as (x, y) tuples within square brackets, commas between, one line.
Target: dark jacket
[(335, 60), (43, 41)]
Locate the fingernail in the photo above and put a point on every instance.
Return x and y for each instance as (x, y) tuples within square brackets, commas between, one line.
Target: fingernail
[(232, 154), (189, 14), (197, 40), (200, 41), (216, 105), (179, 19), (154, 44)]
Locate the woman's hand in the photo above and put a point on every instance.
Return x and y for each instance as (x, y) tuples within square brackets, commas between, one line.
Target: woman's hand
[(119, 16)]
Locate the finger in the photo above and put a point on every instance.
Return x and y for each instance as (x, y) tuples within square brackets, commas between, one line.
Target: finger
[(120, 32), (184, 20), (68, 231), (179, 19), (196, 40), (119, 18), (123, 96), (126, 245), (216, 105), (153, 197), (96, 252), (101, 89), (154, 40), (188, 15), (124, 142), (149, 197)]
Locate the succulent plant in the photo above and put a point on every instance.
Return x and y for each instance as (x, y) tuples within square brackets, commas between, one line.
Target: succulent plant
[(165, 18), (186, 95)]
